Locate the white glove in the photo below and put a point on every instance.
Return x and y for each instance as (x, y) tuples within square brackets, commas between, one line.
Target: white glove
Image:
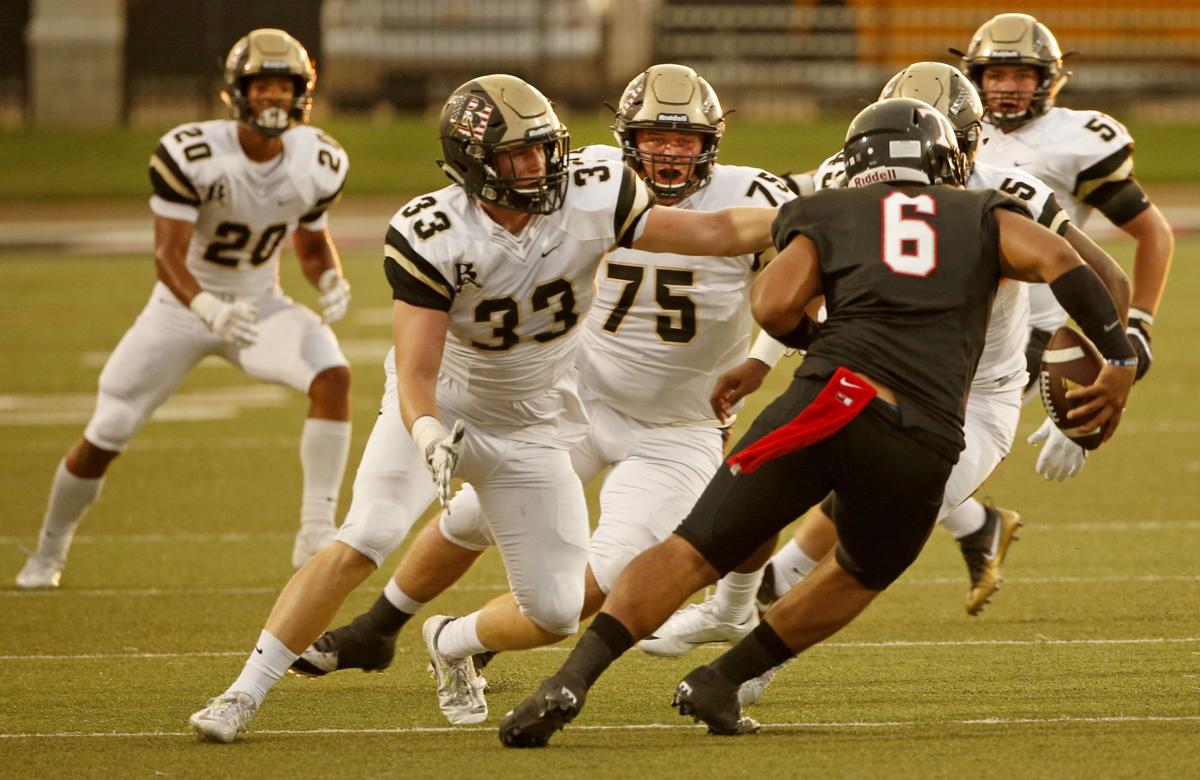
[(1060, 458), (232, 321), (335, 295), (442, 451)]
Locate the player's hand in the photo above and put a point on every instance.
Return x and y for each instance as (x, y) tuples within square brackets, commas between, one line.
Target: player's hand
[(1060, 457), (1138, 333), (232, 321), (1103, 400), (335, 295), (735, 384), (442, 452)]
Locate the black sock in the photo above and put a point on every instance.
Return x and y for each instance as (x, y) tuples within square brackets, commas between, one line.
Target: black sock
[(604, 642), (760, 650), (384, 618)]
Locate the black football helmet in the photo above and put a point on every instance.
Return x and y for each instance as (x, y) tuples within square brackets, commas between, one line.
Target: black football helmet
[(492, 116), (902, 139), (269, 52), (949, 91), (1017, 39), (670, 97)]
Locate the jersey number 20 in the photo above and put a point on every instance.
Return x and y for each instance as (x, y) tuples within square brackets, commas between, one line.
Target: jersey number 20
[(909, 242)]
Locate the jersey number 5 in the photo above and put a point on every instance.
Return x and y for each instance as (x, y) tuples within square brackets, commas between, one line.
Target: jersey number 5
[(909, 242)]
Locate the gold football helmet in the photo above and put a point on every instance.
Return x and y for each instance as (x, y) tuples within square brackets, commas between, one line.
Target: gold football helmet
[(949, 91), (268, 52), (670, 97), (1017, 39), (496, 115)]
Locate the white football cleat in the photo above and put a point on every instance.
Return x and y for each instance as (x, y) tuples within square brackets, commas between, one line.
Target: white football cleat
[(39, 573), (310, 540), (695, 625), (459, 686), (225, 717)]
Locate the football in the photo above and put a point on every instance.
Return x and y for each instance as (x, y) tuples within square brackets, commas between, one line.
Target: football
[(1070, 361)]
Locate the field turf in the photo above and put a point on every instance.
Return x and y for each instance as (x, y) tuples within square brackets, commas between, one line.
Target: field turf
[(1086, 664)]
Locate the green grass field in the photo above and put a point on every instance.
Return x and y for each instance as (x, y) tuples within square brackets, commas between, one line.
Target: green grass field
[(1087, 664)]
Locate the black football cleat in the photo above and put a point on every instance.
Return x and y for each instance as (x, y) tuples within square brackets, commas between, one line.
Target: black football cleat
[(707, 696), (553, 705), (352, 646)]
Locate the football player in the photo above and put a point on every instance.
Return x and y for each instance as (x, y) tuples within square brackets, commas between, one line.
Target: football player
[(993, 404), (662, 328), (490, 275), (874, 413), (228, 194)]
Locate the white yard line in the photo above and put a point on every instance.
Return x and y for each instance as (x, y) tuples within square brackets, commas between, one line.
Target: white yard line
[(894, 644), (803, 725)]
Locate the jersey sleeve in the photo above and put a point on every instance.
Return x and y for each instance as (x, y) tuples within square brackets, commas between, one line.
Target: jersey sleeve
[(1105, 169), (1038, 198), (634, 200), (800, 183), (831, 174), (331, 167), (418, 255), (792, 220), (174, 175)]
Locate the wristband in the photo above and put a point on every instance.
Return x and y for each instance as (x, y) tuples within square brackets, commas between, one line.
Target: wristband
[(204, 305), (427, 431), (1123, 362), (767, 350)]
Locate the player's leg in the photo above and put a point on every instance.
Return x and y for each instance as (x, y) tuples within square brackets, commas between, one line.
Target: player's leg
[(984, 533), (391, 490), (881, 529), (442, 552), (537, 514), (150, 361), (295, 348)]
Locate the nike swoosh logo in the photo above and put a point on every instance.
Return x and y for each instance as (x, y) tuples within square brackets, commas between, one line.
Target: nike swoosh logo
[(258, 650), (850, 385), (551, 249), (1111, 325), (1018, 164)]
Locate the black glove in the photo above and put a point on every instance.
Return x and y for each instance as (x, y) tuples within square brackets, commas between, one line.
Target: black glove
[(1139, 336)]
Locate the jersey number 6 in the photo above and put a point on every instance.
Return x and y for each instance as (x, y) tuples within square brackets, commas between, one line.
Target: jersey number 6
[(909, 242)]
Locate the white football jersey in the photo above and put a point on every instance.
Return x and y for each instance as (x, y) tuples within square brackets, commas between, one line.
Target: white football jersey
[(514, 301), (1003, 356), (1074, 152), (665, 326), (243, 211)]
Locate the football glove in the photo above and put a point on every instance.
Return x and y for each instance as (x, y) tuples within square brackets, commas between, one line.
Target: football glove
[(335, 295), (442, 452), (1139, 336), (1060, 457), (231, 321)]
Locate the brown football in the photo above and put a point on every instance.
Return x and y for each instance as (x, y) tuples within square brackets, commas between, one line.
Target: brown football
[(1070, 361)]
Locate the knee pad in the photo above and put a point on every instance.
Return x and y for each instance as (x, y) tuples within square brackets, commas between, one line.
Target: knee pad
[(113, 424), (554, 604), (463, 524), (376, 529)]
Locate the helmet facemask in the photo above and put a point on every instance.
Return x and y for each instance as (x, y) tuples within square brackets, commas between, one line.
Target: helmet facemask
[(533, 195), (670, 97)]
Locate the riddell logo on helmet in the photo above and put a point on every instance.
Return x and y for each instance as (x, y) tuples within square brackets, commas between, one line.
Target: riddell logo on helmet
[(672, 117), (875, 176)]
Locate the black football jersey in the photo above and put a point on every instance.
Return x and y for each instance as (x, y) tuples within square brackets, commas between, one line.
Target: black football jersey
[(909, 274)]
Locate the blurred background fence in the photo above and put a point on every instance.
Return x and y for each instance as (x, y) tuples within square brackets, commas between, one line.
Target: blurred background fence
[(154, 61)]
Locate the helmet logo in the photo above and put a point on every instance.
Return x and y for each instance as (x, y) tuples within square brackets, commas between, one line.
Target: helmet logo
[(904, 148), (473, 117), (672, 117), (539, 131)]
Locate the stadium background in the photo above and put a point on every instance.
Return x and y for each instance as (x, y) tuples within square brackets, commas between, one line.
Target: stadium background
[(1089, 661)]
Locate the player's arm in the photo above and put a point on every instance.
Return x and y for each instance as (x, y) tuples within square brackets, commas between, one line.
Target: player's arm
[(783, 291), (322, 267), (1111, 274), (419, 335), (1031, 253), (171, 239), (739, 230)]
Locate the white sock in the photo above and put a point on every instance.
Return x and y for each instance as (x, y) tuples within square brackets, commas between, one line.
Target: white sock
[(791, 564), (967, 518), (70, 497), (324, 449), (401, 600), (460, 638), (735, 595), (268, 662)]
